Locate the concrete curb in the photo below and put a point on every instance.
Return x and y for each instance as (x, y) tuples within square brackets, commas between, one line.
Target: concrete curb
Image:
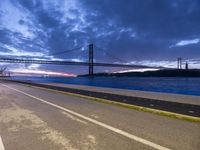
[(145, 109), (108, 101)]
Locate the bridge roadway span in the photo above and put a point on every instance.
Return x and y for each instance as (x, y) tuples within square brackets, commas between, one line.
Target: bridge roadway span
[(37, 119), (34, 61)]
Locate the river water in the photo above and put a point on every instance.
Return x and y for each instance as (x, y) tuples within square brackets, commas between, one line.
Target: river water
[(188, 86)]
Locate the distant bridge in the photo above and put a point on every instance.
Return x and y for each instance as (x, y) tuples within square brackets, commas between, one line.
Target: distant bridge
[(36, 61), (90, 63)]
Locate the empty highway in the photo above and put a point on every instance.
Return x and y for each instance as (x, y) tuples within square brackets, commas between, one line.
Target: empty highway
[(36, 119)]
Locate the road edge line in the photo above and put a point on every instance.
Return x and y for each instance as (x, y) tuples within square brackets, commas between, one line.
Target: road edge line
[(101, 124), (1, 144), (135, 107)]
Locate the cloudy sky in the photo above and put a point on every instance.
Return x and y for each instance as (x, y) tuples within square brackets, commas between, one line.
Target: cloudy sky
[(149, 32)]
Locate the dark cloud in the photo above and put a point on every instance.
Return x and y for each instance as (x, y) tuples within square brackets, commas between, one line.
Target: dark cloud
[(157, 25), (5, 36), (134, 30), (159, 18)]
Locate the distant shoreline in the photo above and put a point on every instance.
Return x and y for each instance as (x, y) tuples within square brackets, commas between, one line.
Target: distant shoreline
[(158, 73)]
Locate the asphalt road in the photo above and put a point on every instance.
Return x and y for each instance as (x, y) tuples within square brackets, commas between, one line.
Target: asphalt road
[(159, 102), (36, 119)]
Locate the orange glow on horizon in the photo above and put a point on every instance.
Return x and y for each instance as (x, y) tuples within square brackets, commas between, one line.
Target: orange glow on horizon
[(27, 72)]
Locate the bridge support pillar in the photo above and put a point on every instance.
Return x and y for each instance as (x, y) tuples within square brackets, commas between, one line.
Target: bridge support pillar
[(91, 62), (179, 63)]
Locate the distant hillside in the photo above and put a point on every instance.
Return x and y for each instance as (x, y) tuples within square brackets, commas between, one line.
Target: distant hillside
[(158, 73)]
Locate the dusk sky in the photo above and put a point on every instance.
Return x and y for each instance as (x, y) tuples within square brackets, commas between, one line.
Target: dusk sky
[(147, 32)]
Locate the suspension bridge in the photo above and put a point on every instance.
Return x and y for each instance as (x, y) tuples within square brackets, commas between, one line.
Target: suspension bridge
[(90, 62)]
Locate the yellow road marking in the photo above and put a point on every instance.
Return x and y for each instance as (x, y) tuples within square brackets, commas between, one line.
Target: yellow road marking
[(135, 107)]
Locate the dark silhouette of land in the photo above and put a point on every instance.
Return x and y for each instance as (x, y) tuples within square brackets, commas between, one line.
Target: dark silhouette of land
[(158, 73)]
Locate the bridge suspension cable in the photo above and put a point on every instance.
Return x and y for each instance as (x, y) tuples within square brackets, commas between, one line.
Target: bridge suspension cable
[(110, 55), (67, 51), (32, 61)]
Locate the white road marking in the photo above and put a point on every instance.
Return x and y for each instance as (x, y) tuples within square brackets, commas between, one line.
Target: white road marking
[(116, 130), (1, 144), (94, 116)]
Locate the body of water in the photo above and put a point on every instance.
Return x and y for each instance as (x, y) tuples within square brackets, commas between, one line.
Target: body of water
[(188, 86)]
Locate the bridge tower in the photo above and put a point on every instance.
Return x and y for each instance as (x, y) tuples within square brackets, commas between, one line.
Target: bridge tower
[(91, 62), (179, 63)]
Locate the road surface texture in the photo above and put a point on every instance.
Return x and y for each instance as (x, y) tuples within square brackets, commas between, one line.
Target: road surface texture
[(36, 119), (180, 104), (178, 98)]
